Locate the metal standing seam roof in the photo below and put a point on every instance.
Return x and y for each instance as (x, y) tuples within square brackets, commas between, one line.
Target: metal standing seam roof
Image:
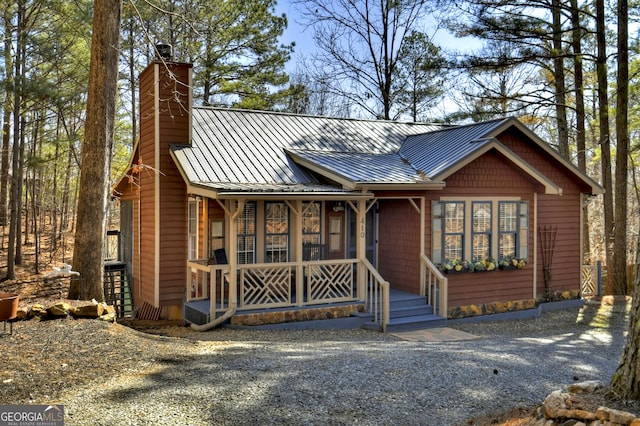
[(248, 151), (237, 149), (364, 167), (434, 152)]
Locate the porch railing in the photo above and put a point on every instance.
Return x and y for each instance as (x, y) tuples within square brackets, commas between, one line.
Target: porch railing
[(434, 285), (376, 295), (329, 281), (208, 282), (269, 285)]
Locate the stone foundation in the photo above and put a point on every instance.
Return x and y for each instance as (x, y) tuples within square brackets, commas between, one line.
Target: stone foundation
[(507, 306), (308, 314)]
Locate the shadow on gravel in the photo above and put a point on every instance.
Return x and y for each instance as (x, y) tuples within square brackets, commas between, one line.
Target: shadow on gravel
[(344, 377)]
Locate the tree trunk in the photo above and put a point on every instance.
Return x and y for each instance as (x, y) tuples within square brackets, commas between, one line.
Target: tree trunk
[(559, 80), (96, 151), (581, 137), (6, 122), (16, 178), (603, 118), (626, 380), (622, 151)]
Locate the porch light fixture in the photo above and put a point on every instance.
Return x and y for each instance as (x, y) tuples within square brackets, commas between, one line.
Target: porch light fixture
[(338, 207)]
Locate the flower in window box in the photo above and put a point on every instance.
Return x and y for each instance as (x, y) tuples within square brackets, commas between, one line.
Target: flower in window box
[(455, 265), (512, 263), (482, 265)]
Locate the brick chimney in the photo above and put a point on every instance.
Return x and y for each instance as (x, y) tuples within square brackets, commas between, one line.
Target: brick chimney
[(165, 119)]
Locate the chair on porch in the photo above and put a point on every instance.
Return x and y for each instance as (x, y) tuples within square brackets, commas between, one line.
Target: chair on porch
[(219, 257)]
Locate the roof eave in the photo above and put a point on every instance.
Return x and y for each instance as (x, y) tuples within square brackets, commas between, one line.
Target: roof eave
[(367, 185), (390, 186), (323, 171)]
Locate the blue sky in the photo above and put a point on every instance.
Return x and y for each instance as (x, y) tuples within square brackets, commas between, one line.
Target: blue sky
[(304, 39)]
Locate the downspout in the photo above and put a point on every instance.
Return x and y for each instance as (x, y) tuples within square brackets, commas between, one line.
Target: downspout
[(535, 245), (233, 281), (216, 322)]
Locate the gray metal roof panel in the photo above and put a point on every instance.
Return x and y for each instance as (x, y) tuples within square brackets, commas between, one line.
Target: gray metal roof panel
[(435, 152), (363, 167), (230, 146)]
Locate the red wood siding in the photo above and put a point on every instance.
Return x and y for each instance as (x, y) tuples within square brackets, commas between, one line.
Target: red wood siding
[(495, 286), (490, 176), (399, 244), (561, 211)]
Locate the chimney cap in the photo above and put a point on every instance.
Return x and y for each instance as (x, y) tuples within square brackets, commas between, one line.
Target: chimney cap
[(164, 51)]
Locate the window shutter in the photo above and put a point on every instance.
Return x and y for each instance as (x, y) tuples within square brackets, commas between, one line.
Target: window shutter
[(436, 232), (523, 232)]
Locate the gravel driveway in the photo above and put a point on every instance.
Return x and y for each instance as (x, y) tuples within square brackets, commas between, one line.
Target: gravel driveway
[(346, 377)]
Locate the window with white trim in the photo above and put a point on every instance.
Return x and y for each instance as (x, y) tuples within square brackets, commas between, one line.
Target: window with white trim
[(464, 229), (246, 224), (276, 232), (311, 241), (454, 213), (481, 230), (192, 229)]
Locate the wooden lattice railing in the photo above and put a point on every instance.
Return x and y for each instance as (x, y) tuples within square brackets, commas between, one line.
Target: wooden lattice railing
[(330, 281), (265, 286), (268, 285)]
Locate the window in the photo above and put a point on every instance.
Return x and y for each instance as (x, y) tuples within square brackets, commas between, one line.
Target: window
[(481, 230), (311, 241), (513, 225), (454, 231), (246, 223), (508, 229), (192, 230), (471, 229), (216, 236), (276, 232)]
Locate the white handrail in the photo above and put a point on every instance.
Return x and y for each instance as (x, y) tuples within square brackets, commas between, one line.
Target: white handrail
[(377, 297), (436, 283)]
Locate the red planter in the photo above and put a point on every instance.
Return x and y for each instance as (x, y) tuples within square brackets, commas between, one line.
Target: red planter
[(8, 306)]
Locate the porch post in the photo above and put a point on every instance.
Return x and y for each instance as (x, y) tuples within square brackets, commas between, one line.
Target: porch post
[(423, 268), (534, 255), (361, 246), (299, 268), (233, 252)]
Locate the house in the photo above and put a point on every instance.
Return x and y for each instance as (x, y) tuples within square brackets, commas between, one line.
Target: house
[(233, 211)]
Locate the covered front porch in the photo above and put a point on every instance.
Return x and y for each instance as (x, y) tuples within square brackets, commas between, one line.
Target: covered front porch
[(314, 260), (299, 290), (308, 291)]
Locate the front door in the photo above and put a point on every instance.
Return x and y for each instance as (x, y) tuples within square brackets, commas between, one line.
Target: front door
[(335, 232), (371, 236)]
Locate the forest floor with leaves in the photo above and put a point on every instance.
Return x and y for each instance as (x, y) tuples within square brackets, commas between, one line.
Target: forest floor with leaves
[(44, 360)]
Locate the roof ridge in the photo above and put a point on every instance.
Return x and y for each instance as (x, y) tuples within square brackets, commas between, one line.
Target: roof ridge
[(462, 126), (324, 117)]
